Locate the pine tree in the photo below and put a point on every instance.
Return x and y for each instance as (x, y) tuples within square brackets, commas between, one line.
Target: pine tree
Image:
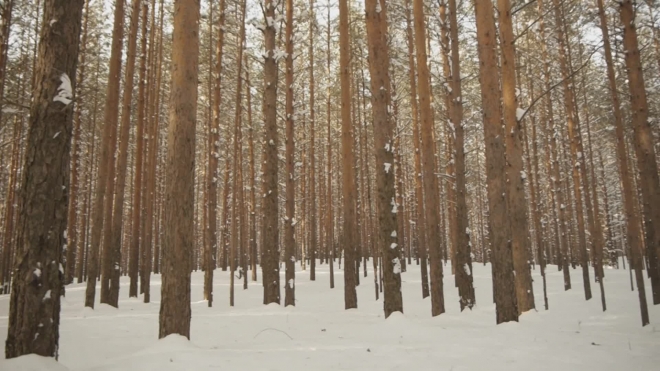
[(35, 296), (179, 191), (349, 199), (388, 239), (290, 216), (644, 148), (506, 305), (429, 179), (270, 209)]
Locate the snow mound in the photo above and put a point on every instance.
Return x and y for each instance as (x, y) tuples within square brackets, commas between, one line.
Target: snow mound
[(171, 343), (32, 362)]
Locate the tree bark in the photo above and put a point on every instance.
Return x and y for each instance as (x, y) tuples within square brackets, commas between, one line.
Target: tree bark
[(349, 230), (213, 178), (506, 304), (463, 245), (290, 214), (270, 229), (429, 178), (34, 313), (179, 189), (72, 218), (105, 176), (573, 133), (644, 146), (122, 160), (517, 203), (383, 129), (313, 239)]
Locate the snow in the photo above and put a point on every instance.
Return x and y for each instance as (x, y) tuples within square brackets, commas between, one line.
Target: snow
[(318, 334), (32, 362), (64, 91), (10, 110), (520, 113), (396, 266), (387, 167)]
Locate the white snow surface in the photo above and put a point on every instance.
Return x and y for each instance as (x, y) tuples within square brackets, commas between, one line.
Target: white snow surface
[(318, 334)]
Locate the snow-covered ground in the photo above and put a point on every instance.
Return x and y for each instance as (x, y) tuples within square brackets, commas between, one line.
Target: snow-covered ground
[(318, 334)]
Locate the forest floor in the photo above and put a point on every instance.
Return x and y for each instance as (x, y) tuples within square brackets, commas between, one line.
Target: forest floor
[(318, 334)]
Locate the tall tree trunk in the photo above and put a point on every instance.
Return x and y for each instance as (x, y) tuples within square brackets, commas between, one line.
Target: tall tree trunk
[(34, 312), (114, 243), (179, 189), (140, 161), (349, 199), (463, 245), (506, 304), (152, 100), (429, 178), (598, 241), (534, 188), (290, 215), (253, 197), (383, 128), (644, 146), (213, 178), (91, 128), (517, 203), (558, 194), (105, 175), (270, 230), (330, 237), (72, 225), (573, 133), (313, 239), (238, 218)]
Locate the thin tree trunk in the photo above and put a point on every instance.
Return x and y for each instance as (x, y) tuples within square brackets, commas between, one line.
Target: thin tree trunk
[(105, 174), (430, 180), (253, 199), (313, 239), (463, 245), (349, 230), (114, 243), (290, 215), (551, 132), (213, 178), (72, 220), (573, 133)]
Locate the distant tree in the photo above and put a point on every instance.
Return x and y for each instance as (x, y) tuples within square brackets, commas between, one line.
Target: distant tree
[(429, 168)]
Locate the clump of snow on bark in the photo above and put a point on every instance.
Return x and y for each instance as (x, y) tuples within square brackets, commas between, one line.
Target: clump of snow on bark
[(64, 91), (396, 269)]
